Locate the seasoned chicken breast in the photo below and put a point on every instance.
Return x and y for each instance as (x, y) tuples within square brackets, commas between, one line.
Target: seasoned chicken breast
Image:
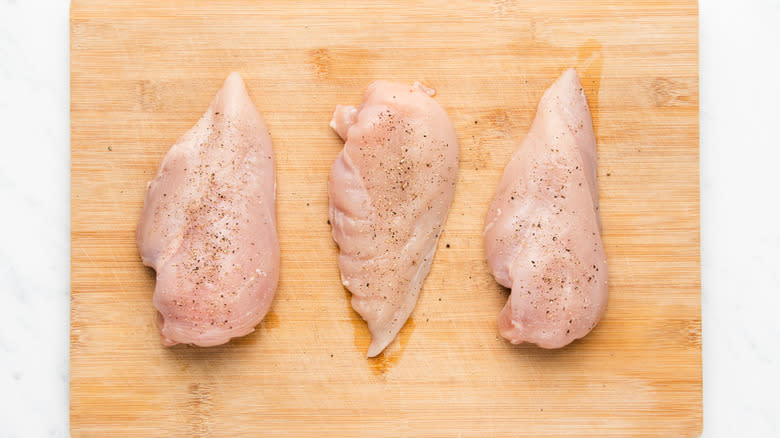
[(390, 189), (208, 225), (543, 232)]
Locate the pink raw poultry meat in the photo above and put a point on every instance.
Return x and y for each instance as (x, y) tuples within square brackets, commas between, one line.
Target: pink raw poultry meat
[(543, 232), (390, 190), (208, 225)]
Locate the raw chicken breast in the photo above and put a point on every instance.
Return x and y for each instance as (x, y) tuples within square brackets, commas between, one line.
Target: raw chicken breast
[(543, 233), (390, 190), (208, 225)]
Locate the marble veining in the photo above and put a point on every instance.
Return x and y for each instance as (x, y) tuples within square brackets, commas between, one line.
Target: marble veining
[(35, 236)]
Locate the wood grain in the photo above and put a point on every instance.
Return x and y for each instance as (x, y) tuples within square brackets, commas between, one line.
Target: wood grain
[(142, 73)]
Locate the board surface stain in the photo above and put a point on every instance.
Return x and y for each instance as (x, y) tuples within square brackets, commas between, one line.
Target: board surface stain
[(382, 363), (589, 66), (198, 406)]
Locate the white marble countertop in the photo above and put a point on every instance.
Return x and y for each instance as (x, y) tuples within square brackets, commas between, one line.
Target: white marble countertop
[(740, 217)]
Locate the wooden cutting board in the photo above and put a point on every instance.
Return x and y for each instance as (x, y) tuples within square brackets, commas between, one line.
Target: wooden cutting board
[(143, 72)]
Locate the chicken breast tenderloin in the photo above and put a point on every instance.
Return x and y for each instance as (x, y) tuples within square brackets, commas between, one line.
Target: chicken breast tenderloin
[(543, 232), (390, 189), (208, 225)]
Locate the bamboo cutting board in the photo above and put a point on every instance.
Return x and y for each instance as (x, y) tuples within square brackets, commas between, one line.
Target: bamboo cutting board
[(143, 72)]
